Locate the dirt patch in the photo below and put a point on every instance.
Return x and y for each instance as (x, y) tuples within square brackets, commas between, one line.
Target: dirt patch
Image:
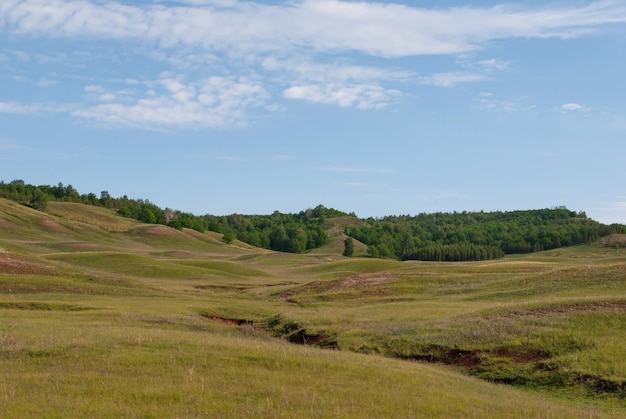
[(362, 280), (301, 337), (290, 331), (229, 321), (12, 264), (343, 284), (52, 226)]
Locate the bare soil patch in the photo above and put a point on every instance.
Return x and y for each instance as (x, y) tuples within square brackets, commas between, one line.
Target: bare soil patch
[(231, 322), (12, 264), (52, 226), (363, 280), (343, 284)]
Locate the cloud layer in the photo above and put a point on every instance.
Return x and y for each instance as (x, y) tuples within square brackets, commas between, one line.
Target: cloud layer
[(378, 29), (225, 58)]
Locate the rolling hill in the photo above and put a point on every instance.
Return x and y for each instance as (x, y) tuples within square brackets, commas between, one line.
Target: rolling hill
[(106, 316)]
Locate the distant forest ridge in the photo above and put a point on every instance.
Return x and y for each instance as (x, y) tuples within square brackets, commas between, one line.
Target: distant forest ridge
[(454, 236)]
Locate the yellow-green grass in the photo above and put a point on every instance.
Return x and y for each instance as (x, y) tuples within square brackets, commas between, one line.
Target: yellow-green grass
[(113, 363), (103, 218), (101, 321)]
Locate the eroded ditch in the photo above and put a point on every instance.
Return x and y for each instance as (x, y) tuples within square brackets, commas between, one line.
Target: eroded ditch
[(281, 328)]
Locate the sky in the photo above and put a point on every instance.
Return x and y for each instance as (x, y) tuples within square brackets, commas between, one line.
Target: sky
[(372, 107)]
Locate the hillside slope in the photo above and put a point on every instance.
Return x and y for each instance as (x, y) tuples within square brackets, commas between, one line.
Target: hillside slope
[(104, 316)]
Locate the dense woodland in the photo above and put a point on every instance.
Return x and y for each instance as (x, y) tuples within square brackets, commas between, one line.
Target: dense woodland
[(478, 235), (434, 237)]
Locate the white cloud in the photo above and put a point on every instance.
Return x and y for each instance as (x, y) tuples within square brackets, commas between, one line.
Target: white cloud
[(18, 108), (337, 84), (451, 79), (362, 96), (494, 64), (305, 69), (378, 29), (573, 107), (170, 101), (234, 51)]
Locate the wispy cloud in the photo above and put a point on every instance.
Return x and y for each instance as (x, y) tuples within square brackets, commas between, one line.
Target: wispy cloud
[(378, 29), (171, 101), (450, 79), (575, 107), (338, 84), (361, 96), (489, 102), (41, 82), (233, 53), (20, 108)]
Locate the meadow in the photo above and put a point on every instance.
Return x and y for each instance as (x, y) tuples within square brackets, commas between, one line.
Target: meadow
[(102, 316)]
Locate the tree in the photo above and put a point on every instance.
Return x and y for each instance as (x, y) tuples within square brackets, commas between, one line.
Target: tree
[(348, 247), (39, 200), (228, 237)]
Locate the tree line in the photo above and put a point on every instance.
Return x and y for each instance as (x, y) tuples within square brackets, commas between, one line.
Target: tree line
[(439, 236), (477, 235), (293, 233)]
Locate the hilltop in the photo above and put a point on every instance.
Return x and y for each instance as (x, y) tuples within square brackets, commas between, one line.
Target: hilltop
[(455, 236)]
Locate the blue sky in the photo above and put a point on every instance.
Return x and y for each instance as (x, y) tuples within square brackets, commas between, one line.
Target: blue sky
[(378, 108)]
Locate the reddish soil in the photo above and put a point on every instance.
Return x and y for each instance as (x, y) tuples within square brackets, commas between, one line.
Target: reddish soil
[(12, 264), (52, 226), (343, 284), (230, 322)]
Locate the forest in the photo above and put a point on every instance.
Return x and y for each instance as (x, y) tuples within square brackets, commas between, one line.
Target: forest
[(457, 236), (477, 235)]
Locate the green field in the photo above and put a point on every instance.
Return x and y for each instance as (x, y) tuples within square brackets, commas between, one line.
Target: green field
[(102, 316)]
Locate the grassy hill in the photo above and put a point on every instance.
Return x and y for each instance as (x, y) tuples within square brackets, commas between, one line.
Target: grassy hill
[(102, 316)]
